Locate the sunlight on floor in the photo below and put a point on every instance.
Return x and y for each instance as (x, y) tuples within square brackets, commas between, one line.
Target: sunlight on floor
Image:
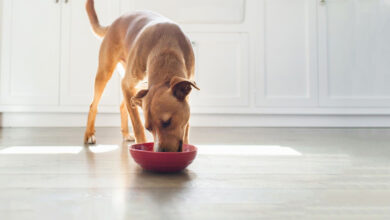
[(102, 148), (247, 150), (41, 150), (244, 150), (56, 149)]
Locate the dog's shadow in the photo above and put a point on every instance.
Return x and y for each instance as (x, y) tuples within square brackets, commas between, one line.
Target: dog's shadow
[(159, 189), (163, 188)]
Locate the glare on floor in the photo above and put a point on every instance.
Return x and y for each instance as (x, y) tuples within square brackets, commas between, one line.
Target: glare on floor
[(56, 149), (245, 150), (41, 150), (102, 148), (248, 150)]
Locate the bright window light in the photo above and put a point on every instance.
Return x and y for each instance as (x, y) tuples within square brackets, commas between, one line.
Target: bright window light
[(247, 150), (102, 148), (41, 150)]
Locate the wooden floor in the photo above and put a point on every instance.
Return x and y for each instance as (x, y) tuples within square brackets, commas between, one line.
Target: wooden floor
[(240, 173)]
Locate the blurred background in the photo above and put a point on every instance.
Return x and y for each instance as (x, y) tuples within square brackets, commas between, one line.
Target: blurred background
[(258, 62)]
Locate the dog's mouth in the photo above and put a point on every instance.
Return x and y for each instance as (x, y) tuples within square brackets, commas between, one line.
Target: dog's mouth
[(179, 149), (180, 146)]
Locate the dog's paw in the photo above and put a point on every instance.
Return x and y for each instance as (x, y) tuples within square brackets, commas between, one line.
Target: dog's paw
[(128, 137), (91, 139)]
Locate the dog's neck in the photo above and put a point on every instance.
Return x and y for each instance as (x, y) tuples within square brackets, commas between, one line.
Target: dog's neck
[(164, 65)]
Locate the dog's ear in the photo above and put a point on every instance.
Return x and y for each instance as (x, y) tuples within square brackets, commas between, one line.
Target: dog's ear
[(137, 99), (181, 87)]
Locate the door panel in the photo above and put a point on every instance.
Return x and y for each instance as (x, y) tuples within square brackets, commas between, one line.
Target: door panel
[(195, 12), (30, 67), (221, 69), (289, 74), (80, 51), (355, 53)]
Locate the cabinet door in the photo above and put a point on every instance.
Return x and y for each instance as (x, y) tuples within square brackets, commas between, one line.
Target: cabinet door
[(354, 53), (221, 69), (287, 75), (80, 51), (192, 12), (30, 46)]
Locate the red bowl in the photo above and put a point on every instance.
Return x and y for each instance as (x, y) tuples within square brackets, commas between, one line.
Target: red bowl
[(144, 155)]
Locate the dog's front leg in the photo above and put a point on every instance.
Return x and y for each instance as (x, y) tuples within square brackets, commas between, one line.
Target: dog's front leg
[(124, 123), (128, 89), (187, 131)]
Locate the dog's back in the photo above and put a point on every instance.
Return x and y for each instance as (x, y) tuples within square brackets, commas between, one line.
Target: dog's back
[(140, 33)]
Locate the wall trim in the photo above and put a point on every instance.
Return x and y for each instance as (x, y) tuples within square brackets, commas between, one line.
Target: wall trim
[(286, 110), (199, 120)]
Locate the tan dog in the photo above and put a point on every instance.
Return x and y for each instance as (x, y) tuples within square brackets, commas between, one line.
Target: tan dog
[(147, 45)]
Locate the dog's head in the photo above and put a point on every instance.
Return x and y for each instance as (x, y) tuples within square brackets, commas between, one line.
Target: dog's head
[(166, 112)]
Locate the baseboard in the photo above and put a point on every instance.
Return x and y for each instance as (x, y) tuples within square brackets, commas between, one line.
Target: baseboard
[(199, 120)]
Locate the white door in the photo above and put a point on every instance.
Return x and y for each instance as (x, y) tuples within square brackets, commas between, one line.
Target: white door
[(30, 52), (222, 70), (80, 51), (354, 53), (288, 76)]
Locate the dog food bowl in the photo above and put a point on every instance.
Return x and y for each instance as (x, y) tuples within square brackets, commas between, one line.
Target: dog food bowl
[(144, 155)]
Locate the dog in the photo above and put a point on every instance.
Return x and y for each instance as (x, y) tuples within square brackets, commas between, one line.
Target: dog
[(149, 46)]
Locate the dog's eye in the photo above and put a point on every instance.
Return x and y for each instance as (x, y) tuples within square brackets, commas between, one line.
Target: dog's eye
[(165, 124)]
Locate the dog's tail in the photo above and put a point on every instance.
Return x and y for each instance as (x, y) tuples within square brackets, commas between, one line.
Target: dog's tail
[(93, 19)]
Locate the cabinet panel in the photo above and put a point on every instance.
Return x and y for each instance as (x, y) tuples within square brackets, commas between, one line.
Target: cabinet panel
[(199, 12), (355, 53), (30, 46), (80, 51), (221, 69), (289, 74)]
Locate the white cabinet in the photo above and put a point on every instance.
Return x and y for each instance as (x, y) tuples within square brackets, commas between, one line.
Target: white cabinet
[(354, 53), (50, 55), (79, 52), (221, 69), (30, 52), (194, 12), (287, 75)]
